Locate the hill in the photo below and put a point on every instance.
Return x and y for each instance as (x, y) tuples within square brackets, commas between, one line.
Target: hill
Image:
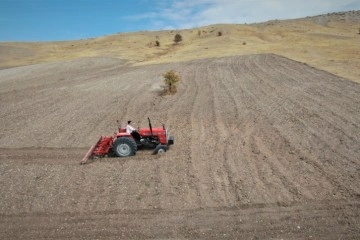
[(328, 42), (266, 147)]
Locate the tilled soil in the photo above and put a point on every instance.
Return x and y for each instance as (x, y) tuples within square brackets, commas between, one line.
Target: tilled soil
[(265, 147)]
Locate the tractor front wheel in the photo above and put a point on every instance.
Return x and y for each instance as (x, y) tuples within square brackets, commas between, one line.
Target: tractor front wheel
[(160, 149), (124, 147)]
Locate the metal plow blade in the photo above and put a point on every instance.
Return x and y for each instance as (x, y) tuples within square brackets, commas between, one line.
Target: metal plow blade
[(88, 154), (100, 149)]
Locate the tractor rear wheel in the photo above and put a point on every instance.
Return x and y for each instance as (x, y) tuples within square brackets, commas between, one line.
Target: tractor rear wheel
[(124, 147)]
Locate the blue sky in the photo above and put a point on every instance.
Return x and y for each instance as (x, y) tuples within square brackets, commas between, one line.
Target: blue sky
[(51, 20)]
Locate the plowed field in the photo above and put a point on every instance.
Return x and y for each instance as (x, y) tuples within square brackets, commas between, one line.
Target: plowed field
[(265, 148)]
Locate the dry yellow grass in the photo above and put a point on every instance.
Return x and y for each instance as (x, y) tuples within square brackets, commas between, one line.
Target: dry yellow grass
[(329, 42)]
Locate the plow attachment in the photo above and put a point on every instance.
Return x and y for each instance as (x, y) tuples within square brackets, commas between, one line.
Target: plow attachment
[(100, 149)]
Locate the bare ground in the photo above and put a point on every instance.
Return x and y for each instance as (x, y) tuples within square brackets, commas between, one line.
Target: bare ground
[(265, 148)]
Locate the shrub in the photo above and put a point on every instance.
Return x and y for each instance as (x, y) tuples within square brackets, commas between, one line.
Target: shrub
[(219, 34), (153, 44), (177, 38), (170, 78)]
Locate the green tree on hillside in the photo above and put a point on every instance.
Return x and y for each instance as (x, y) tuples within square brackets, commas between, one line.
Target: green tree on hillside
[(177, 38)]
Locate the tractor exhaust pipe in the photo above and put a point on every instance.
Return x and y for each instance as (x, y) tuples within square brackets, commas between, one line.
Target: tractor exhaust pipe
[(150, 127)]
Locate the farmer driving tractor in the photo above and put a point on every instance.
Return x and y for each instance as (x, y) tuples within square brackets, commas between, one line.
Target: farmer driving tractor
[(129, 128)]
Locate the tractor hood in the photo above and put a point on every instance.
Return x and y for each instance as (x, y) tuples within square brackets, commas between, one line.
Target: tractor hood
[(155, 131)]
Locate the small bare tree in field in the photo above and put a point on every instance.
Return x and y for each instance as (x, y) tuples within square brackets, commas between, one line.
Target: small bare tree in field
[(170, 78)]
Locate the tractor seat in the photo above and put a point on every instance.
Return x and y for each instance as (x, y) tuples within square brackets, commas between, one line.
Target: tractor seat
[(136, 135)]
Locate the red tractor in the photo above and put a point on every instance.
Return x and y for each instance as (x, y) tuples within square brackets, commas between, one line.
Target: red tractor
[(123, 144)]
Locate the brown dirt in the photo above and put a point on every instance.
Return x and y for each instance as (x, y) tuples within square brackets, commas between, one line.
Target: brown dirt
[(265, 148)]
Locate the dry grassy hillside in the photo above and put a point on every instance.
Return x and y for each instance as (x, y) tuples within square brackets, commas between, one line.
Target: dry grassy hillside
[(329, 42)]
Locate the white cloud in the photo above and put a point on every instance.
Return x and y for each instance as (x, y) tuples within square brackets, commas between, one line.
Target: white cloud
[(194, 13)]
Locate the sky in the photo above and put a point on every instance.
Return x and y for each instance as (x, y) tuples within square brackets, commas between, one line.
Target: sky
[(58, 20)]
